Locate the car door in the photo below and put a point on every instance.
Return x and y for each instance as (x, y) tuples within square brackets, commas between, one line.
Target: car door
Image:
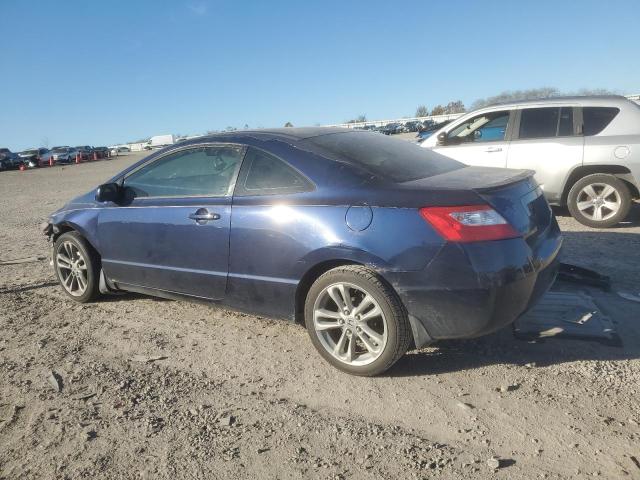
[(547, 140), (171, 231), (482, 140)]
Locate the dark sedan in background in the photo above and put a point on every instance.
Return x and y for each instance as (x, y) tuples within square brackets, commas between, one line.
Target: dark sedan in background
[(8, 159), (375, 244)]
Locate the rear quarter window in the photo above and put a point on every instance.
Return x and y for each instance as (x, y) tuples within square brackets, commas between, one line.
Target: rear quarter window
[(596, 119), (384, 157)]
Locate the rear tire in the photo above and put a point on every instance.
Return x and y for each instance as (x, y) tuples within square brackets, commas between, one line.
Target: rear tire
[(599, 200), (365, 330)]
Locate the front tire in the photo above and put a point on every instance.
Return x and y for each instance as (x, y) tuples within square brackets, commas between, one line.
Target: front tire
[(77, 267), (356, 321), (599, 200)]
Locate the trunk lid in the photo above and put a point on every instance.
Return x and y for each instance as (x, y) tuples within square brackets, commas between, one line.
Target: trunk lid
[(514, 194), (522, 204)]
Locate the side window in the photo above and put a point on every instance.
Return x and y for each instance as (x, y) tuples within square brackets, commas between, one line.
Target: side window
[(596, 119), (267, 175), (546, 122), (487, 127), (202, 171)]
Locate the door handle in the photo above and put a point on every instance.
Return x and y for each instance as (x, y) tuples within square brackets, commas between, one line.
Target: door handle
[(202, 216), (493, 149)]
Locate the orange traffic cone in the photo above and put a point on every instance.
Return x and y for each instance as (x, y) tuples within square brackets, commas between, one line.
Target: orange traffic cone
[(22, 167), (52, 162), (95, 155), (78, 158)]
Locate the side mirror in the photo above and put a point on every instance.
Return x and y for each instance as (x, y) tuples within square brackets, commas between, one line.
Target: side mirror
[(442, 138), (109, 192)]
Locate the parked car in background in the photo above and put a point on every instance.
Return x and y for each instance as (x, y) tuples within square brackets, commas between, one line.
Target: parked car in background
[(102, 152), (86, 152), (585, 150), (413, 125), (119, 150), (8, 159), (429, 129), (370, 126), (63, 154), (393, 128), (273, 222), (34, 157)]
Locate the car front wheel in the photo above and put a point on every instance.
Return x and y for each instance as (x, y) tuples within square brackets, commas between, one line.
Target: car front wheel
[(356, 321), (599, 200), (76, 267)]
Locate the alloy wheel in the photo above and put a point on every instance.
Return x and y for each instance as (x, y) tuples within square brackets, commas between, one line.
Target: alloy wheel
[(350, 324), (72, 269), (599, 201)]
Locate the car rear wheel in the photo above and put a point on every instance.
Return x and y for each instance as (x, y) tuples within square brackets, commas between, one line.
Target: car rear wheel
[(599, 200), (76, 266), (356, 321)]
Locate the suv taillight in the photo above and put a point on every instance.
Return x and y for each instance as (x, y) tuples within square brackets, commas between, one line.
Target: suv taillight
[(468, 223)]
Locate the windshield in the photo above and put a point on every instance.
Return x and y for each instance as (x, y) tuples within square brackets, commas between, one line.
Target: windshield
[(30, 152), (388, 158)]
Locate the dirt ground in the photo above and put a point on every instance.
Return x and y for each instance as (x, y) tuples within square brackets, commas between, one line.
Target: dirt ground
[(136, 387)]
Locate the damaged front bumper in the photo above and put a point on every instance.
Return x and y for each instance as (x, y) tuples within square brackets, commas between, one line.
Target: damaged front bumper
[(48, 230)]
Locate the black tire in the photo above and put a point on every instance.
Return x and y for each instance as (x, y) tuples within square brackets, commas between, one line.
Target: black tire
[(598, 179), (398, 328), (92, 262)]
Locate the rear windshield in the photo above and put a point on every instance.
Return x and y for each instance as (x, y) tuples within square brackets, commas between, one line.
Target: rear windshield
[(389, 158)]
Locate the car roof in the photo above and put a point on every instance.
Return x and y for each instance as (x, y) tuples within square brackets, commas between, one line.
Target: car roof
[(585, 101), (288, 133)]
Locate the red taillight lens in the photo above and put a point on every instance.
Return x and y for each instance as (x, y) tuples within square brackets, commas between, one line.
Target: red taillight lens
[(468, 223)]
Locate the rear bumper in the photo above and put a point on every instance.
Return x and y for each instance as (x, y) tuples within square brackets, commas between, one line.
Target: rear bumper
[(474, 289)]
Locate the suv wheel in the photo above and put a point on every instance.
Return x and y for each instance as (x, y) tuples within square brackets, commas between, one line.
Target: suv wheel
[(599, 200), (356, 321)]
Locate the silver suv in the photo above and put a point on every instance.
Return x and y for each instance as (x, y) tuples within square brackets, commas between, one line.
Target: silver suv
[(585, 150)]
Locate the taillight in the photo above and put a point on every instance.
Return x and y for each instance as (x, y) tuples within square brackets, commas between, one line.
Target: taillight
[(468, 223)]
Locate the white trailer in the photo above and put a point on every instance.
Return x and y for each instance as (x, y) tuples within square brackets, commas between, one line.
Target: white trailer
[(158, 141)]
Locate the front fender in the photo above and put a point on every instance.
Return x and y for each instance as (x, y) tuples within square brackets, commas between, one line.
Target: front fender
[(84, 221)]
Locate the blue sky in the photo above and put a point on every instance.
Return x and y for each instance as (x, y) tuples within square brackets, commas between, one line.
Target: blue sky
[(102, 72)]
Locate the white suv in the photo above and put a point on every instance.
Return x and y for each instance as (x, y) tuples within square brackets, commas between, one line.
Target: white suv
[(585, 150)]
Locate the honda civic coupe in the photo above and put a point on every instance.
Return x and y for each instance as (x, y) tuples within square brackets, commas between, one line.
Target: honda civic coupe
[(374, 244)]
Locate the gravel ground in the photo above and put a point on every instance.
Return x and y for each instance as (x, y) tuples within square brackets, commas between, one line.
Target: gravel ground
[(135, 387)]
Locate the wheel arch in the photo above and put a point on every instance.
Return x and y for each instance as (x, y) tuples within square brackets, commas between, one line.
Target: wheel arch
[(66, 226), (310, 276), (619, 171)]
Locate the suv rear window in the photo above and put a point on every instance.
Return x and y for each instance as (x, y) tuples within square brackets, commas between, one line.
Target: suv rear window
[(546, 122), (384, 157), (597, 118)]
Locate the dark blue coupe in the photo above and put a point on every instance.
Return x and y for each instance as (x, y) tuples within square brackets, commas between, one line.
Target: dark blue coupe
[(375, 244)]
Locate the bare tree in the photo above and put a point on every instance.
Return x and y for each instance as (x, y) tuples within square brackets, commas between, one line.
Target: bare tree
[(535, 94), (455, 107), (44, 141), (422, 111), (517, 95), (438, 110), (358, 119), (288, 124)]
